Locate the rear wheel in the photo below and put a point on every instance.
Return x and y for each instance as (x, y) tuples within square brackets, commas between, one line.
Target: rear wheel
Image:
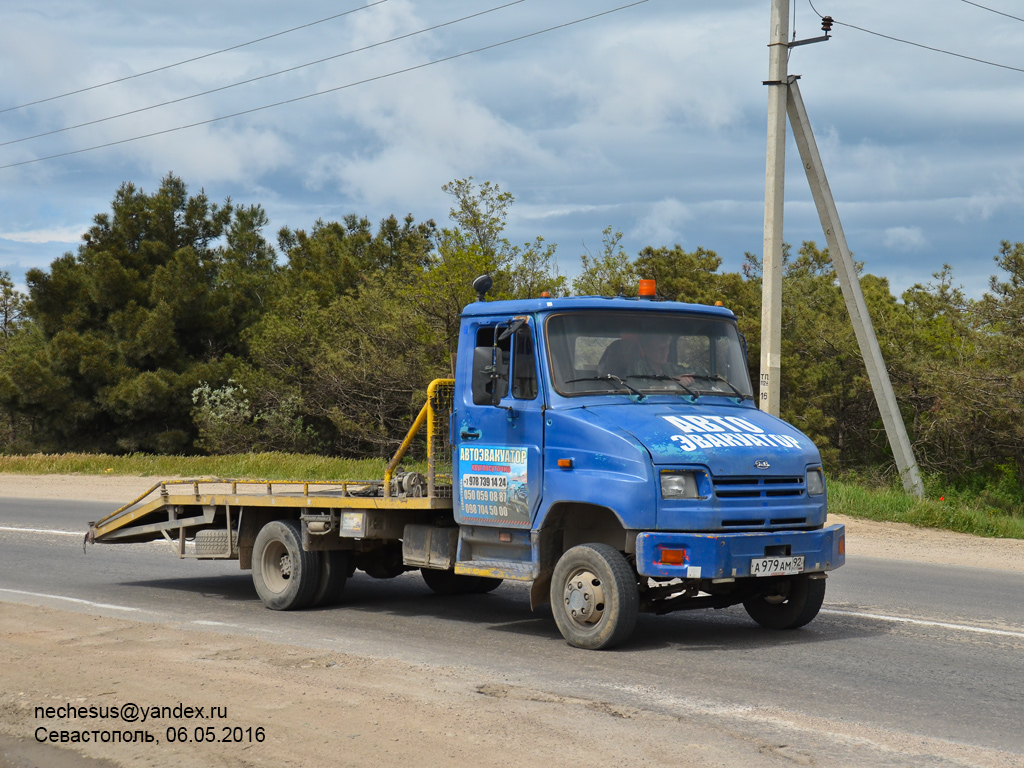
[(795, 604), (487, 585), (334, 570), (450, 582), (285, 575), (594, 596)]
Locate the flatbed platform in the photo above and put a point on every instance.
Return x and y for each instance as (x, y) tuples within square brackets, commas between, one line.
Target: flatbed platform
[(173, 504)]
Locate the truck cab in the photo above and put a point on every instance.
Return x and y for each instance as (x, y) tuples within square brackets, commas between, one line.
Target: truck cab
[(610, 451)]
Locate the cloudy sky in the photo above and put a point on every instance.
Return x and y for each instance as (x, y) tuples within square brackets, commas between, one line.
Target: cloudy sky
[(650, 119)]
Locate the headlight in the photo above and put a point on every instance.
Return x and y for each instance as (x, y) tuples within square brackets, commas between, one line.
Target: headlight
[(815, 482), (679, 485)]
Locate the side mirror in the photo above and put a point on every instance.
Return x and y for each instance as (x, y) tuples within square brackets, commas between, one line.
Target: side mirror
[(482, 285), (514, 326)]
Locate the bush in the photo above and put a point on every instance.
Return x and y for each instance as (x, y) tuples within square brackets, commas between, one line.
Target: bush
[(228, 424)]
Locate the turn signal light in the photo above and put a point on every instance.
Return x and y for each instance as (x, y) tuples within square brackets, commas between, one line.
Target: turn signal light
[(565, 463), (673, 556)]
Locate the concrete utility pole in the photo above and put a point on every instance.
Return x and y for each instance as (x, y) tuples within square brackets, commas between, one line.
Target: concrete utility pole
[(846, 271), (842, 260), (774, 194)]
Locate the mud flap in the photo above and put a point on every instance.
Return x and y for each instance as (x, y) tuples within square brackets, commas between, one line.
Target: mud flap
[(547, 548), (539, 591)]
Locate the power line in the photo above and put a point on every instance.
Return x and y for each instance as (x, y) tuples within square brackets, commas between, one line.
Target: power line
[(189, 61), (261, 77), (330, 90), (993, 10), (921, 45)]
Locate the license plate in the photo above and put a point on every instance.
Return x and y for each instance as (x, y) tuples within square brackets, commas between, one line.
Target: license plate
[(777, 566)]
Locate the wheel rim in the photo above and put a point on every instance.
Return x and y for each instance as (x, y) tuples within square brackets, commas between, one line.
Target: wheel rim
[(584, 598), (276, 566)]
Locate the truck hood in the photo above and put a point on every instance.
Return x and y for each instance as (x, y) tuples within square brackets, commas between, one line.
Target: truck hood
[(728, 440)]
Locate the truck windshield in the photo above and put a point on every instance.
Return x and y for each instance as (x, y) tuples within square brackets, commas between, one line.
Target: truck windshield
[(598, 352)]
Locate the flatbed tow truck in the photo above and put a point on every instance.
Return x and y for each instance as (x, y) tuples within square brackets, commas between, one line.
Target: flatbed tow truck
[(563, 454)]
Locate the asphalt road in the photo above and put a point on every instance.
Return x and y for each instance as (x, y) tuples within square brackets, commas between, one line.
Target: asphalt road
[(926, 651)]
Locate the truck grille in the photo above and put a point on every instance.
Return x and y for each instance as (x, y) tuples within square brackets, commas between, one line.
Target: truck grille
[(758, 487), (746, 498)]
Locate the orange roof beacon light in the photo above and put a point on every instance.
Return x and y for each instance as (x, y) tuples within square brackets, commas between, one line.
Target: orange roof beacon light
[(647, 289)]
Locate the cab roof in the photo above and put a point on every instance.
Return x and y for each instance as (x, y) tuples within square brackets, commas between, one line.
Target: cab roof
[(571, 303)]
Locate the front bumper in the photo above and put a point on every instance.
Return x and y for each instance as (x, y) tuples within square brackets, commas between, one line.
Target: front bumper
[(728, 555)]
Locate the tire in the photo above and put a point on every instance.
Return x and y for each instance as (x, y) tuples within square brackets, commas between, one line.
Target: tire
[(384, 562), (796, 604), (594, 597), (450, 582), (285, 575), (334, 568), (487, 585)]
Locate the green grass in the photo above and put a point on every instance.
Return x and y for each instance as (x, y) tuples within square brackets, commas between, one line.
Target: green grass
[(963, 511), (955, 512), (266, 466)]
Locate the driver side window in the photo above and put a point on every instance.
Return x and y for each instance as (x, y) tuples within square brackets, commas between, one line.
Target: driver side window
[(503, 364), (490, 366)]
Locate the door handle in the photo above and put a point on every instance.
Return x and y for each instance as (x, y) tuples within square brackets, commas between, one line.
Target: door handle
[(469, 433)]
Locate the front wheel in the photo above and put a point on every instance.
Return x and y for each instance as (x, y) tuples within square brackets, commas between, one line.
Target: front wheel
[(795, 604), (285, 575), (594, 596)]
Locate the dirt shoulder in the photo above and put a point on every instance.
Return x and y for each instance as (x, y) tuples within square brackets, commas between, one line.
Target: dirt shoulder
[(115, 489), (285, 705), (280, 705), (899, 541)]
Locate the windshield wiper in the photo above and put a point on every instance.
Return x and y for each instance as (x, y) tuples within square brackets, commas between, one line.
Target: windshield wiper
[(609, 377), (729, 384), (663, 377)]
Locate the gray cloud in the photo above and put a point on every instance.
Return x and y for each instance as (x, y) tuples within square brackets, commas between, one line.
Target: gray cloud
[(651, 120)]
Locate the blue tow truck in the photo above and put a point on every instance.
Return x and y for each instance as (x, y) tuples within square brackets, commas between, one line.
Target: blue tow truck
[(606, 450)]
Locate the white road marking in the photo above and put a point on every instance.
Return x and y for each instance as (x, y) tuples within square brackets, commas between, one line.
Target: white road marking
[(79, 534), (69, 599), (53, 531), (926, 623)]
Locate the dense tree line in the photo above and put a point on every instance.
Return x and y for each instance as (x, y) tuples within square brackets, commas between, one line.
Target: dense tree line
[(178, 327)]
